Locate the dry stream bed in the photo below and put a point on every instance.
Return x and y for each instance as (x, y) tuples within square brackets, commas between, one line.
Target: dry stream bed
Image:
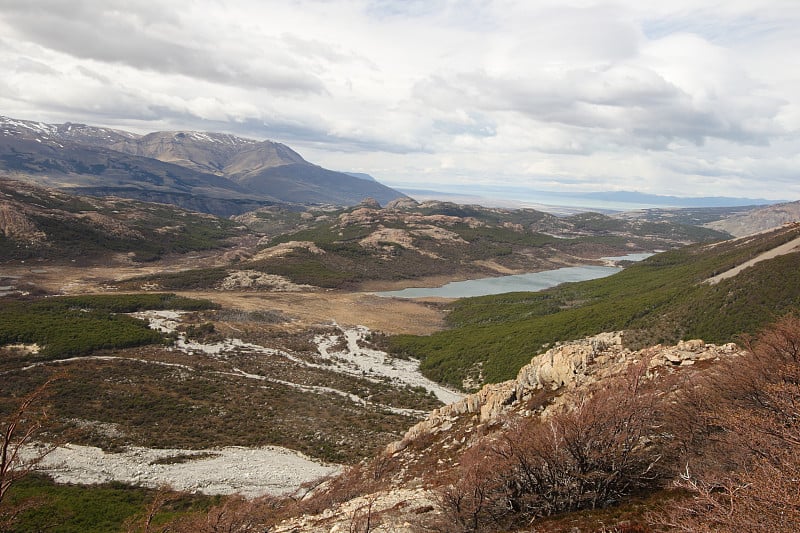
[(338, 370)]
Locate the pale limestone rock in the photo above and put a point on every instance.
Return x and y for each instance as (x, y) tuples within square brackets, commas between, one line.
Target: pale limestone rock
[(402, 203), (565, 367), (285, 248), (253, 279)]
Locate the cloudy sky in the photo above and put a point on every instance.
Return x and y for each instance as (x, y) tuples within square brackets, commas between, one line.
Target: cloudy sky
[(698, 98)]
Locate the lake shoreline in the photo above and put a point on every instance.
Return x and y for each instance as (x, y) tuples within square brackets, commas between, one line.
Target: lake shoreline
[(526, 282)]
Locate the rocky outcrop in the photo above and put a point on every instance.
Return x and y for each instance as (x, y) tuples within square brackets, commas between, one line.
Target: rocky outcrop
[(284, 248), (253, 279), (564, 368), (399, 511), (402, 203), (370, 203)]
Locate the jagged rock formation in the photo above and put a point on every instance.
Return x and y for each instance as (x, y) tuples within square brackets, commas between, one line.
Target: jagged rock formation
[(371, 203), (565, 368), (252, 279), (437, 443), (402, 203)]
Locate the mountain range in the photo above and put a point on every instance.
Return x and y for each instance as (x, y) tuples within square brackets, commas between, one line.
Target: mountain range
[(567, 202), (210, 172)]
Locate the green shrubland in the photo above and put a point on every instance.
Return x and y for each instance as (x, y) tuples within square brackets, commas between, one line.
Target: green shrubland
[(660, 300), (77, 325), (68, 508), (84, 229), (518, 239)]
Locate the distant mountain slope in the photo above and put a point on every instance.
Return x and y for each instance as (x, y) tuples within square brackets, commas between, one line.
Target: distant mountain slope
[(216, 153), (306, 183), (46, 224), (361, 175), (213, 172), (100, 171), (758, 220), (264, 167), (80, 133), (672, 201)]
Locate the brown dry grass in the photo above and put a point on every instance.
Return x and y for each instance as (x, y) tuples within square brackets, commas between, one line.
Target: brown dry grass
[(345, 308), (307, 308)]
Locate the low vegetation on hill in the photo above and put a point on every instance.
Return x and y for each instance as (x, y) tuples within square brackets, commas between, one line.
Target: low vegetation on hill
[(346, 248), (711, 446), (44, 224), (660, 300), (39, 504), (78, 325)]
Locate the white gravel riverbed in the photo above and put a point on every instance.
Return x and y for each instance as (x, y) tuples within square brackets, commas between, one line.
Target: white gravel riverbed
[(250, 472), (247, 471)]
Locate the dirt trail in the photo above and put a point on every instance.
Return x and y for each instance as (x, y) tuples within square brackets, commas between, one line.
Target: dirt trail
[(783, 249)]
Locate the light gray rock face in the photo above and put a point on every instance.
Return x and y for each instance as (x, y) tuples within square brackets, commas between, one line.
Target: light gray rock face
[(564, 368)]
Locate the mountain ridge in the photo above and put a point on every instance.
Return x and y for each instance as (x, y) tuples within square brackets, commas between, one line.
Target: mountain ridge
[(757, 220), (221, 173)]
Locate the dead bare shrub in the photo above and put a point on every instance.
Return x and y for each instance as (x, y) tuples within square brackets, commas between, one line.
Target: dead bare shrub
[(363, 517), (18, 431), (470, 503), (745, 478), (612, 443), (234, 515)]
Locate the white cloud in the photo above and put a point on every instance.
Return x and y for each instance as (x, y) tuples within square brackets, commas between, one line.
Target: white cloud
[(687, 97)]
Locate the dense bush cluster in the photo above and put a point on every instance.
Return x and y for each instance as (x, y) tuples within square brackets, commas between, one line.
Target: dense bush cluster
[(743, 470), (78, 325)]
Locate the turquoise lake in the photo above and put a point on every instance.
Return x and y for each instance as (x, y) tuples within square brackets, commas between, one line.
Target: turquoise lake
[(535, 281)]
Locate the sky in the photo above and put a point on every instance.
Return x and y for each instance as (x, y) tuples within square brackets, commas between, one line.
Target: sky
[(686, 98)]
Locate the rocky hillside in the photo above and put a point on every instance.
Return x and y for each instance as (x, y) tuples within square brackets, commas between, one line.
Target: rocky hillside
[(49, 225), (409, 487), (215, 173), (370, 247), (758, 220)]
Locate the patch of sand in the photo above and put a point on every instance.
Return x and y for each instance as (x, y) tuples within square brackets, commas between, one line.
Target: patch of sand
[(497, 267), (783, 249)]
